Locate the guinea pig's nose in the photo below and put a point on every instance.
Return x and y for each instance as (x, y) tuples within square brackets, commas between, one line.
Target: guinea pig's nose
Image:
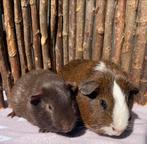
[(65, 128), (118, 131)]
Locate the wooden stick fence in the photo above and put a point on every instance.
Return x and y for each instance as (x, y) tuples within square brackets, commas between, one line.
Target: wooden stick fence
[(47, 34)]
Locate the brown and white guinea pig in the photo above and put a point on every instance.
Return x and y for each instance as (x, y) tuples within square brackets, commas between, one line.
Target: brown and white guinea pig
[(105, 96), (45, 100)]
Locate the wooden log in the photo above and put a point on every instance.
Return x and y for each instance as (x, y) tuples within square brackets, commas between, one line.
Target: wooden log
[(88, 32), (2, 102), (1, 88), (19, 35), (140, 45), (36, 34), (27, 32), (130, 27), (53, 21), (72, 29), (109, 17), (80, 9), (11, 39), (44, 33), (5, 73), (4, 68), (119, 23), (59, 40), (53, 31), (143, 81), (99, 29), (65, 30)]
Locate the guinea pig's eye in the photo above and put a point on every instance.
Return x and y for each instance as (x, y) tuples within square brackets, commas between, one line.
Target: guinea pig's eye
[(103, 104), (50, 108)]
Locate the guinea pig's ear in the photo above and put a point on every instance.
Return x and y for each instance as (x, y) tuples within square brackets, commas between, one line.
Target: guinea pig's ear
[(88, 87), (133, 90), (36, 98), (72, 86)]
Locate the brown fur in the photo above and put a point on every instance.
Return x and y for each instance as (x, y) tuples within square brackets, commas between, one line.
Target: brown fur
[(45, 100), (92, 113)]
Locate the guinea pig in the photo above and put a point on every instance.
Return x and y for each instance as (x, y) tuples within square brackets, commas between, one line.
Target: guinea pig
[(45, 100), (105, 95)]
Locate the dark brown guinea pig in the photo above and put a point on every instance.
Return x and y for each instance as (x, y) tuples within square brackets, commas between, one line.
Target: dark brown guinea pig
[(45, 100), (105, 96)]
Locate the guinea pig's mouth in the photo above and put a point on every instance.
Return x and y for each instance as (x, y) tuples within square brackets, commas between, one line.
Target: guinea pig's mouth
[(112, 132), (66, 128), (122, 135), (74, 130)]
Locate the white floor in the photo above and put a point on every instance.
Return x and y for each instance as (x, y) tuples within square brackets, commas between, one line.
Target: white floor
[(19, 131)]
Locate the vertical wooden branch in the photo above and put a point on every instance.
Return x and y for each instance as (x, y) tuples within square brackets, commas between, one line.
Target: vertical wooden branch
[(19, 35), (1, 87), (107, 46), (130, 26), (119, 30), (72, 29), (99, 32), (80, 6), (53, 21), (65, 30), (4, 70), (140, 46), (1, 96), (44, 33), (27, 32), (53, 25), (143, 87), (2, 102), (11, 39), (89, 23), (36, 34), (59, 42)]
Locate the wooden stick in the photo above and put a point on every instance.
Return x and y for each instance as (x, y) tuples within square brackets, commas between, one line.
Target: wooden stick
[(36, 34), (72, 29), (143, 83), (1, 96), (11, 39), (53, 31), (140, 46), (119, 30), (130, 27), (107, 46), (59, 42), (53, 21), (65, 30), (19, 35), (2, 102), (89, 23), (44, 33), (27, 32), (4, 69), (99, 31), (80, 7), (1, 87)]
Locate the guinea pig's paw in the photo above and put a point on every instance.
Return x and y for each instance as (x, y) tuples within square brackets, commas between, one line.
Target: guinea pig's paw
[(12, 114), (44, 130)]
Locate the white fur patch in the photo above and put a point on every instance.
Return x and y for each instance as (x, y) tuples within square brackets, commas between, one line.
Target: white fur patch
[(120, 113), (101, 67), (120, 110)]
